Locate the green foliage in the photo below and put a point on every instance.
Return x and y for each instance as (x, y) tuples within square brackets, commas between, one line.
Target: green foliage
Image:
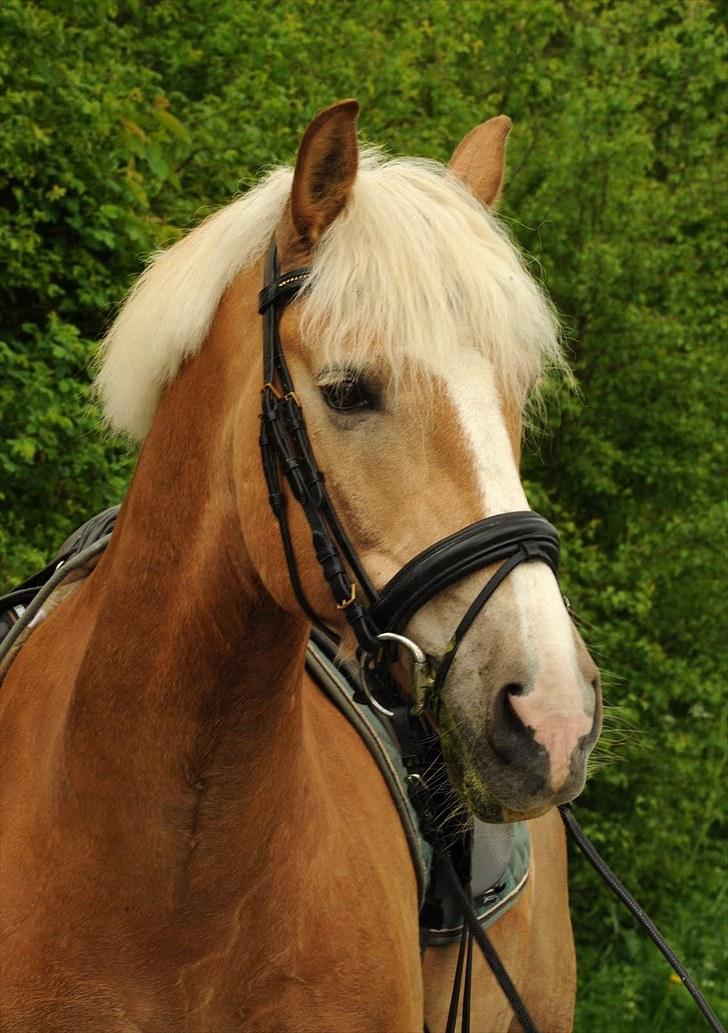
[(125, 121)]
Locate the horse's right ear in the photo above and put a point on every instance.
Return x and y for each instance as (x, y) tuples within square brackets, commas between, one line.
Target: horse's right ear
[(325, 170)]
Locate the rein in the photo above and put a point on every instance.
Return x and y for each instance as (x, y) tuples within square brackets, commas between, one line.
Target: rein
[(510, 539), (378, 618)]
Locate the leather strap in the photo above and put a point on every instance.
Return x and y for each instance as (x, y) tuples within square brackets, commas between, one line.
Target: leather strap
[(285, 448), (508, 538), (482, 544), (283, 289)]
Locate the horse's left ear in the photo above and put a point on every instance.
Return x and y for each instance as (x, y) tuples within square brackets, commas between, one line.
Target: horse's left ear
[(480, 159), (325, 170)]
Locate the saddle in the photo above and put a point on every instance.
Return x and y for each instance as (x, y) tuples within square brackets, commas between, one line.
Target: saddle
[(500, 854)]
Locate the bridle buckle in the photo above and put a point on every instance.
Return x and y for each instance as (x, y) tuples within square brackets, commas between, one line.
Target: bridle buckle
[(350, 600)]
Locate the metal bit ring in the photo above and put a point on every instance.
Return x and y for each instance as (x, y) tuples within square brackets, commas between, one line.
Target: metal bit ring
[(420, 676)]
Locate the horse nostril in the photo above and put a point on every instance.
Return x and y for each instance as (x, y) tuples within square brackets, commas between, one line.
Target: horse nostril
[(542, 730), (506, 719), (510, 739)]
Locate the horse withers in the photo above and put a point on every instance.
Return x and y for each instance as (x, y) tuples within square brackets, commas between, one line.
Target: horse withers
[(193, 837)]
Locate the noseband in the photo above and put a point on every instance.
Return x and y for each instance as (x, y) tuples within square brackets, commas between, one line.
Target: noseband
[(376, 618)]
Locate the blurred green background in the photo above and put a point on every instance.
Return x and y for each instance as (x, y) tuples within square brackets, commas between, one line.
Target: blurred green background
[(125, 122)]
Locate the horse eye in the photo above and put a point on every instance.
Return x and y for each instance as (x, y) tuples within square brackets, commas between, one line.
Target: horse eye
[(349, 395)]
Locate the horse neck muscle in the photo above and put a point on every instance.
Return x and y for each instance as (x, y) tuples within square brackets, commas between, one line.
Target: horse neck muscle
[(190, 683)]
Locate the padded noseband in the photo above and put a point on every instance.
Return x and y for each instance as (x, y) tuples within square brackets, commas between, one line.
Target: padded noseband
[(482, 544)]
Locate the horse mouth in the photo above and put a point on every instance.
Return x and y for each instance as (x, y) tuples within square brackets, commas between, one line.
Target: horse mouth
[(493, 792)]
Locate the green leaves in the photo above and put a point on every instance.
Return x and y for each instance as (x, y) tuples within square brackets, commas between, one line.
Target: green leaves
[(124, 121)]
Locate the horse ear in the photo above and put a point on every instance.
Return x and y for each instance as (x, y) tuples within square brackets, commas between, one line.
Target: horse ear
[(480, 159), (325, 169)]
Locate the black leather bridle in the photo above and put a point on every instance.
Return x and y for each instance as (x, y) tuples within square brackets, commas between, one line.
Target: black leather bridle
[(508, 539), (376, 618)]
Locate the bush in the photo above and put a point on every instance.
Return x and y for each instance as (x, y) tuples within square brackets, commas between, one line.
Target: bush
[(125, 121)]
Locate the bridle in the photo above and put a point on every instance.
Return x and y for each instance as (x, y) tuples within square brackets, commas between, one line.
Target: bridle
[(510, 539), (377, 619)]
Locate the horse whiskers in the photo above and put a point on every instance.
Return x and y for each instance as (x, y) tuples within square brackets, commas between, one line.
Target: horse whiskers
[(450, 810), (454, 834), (434, 768), (618, 737)]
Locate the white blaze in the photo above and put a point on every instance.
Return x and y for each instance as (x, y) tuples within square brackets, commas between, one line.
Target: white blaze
[(543, 623)]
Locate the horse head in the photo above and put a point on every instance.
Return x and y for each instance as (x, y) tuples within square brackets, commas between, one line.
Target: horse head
[(413, 350)]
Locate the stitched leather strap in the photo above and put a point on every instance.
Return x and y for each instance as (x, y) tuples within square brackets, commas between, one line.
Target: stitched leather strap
[(508, 538), (283, 289), (286, 449)]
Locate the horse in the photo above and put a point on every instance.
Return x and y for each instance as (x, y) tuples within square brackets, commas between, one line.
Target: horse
[(193, 837)]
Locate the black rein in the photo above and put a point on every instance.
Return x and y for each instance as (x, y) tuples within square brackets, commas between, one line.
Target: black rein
[(508, 539)]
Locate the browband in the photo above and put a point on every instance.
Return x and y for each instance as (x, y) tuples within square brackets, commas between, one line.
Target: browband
[(283, 289)]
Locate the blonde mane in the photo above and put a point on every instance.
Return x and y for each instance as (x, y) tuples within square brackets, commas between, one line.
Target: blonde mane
[(413, 263)]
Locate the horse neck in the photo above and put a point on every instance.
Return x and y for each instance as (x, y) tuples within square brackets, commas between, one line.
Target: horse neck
[(189, 691)]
